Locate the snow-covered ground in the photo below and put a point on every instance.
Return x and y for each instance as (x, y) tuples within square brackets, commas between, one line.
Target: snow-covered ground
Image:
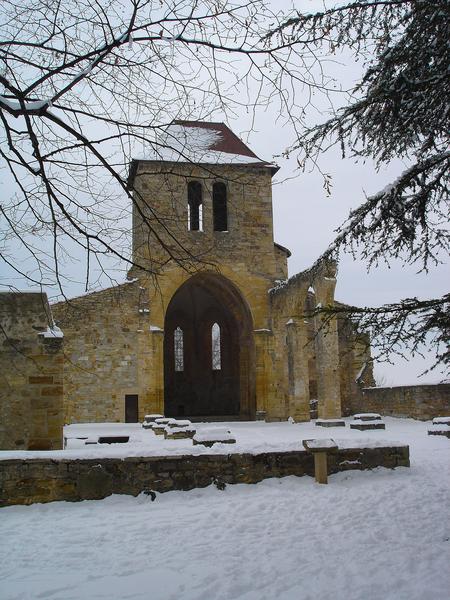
[(367, 535), (252, 437)]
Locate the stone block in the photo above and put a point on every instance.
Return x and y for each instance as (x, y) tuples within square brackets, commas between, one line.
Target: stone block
[(210, 443), (367, 425), (443, 432), (94, 484), (39, 444), (40, 379), (56, 390), (367, 417), (330, 423)]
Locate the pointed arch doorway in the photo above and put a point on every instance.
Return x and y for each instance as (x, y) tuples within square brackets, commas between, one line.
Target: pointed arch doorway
[(209, 355)]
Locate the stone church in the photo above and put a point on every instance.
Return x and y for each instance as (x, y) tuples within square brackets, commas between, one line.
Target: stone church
[(208, 324)]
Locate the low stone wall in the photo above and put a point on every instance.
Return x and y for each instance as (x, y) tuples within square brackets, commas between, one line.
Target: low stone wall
[(46, 480), (421, 402)]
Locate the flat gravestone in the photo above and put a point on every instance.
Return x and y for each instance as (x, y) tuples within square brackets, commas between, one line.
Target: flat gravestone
[(159, 428), (179, 424), (441, 421), (367, 417), (209, 437), (179, 433), (367, 425), (150, 419), (437, 429), (330, 423)]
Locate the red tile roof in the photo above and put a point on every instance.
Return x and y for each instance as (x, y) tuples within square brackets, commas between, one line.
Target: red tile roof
[(227, 141)]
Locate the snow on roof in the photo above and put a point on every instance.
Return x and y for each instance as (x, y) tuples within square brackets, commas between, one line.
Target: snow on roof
[(202, 143)]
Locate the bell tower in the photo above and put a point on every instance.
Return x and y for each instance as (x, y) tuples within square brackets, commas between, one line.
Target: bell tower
[(203, 200), (203, 246)]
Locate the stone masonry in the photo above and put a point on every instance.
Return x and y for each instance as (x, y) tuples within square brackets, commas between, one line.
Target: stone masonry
[(46, 480), (31, 374), (421, 402), (116, 348)]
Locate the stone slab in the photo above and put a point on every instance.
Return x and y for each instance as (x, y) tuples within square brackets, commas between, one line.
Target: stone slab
[(114, 439), (210, 443), (367, 417), (443, 432), (367, 425), (441, 421), (152, 418), (330, 423)]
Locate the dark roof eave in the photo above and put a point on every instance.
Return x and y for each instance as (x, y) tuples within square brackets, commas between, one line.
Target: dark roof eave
[(283, 249)]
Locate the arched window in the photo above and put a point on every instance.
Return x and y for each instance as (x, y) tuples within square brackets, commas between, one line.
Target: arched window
[(216, 358), (220, 215), (178, 349), (195, 212)]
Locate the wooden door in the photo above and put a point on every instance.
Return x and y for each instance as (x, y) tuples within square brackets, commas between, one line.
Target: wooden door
[(131, 408)]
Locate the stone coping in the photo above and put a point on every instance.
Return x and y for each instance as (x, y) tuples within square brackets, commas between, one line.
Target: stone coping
[(124, 452), (343, 445)]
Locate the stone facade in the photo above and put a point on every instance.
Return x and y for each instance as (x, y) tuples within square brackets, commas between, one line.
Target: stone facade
[(31, 374), (119, 343), (46, 480), (107, 342), (115, 338)]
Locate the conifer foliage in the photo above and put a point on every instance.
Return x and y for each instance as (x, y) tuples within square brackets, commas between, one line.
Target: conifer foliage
[(399, 109)]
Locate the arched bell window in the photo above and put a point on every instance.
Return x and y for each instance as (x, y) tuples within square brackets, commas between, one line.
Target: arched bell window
[(216, 357), (195, 206), (178, 349), (220, 211)]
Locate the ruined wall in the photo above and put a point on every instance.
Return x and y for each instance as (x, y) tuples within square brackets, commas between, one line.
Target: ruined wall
[(421, 402), (107, 343), (39, 480), (356, 367), (306, 345), (31, 374)]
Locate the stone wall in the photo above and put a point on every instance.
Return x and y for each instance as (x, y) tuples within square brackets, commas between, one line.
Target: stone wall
[(315, 357), (31, 374), (44, 480), (356, 367), (107, 336), (114, 338), (421, 402)]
